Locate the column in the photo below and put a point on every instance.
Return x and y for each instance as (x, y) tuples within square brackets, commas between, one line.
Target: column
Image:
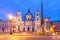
[(30, 28)]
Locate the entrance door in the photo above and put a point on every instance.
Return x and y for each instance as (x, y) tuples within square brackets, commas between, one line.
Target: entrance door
[(28, 28)]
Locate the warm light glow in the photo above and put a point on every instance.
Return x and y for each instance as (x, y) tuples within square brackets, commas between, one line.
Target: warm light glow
[(10, 16), (53, 33), (52, 29), (24, 33), (46, 30), (39, 31)]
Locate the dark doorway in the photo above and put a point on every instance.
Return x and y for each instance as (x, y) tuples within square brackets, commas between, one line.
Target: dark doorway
[(32, 29), (2, 29), (28, 28), (18, 27), (13, 30), (24, 29)]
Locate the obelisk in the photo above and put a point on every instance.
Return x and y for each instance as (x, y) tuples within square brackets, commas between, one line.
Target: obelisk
[(42, 18)]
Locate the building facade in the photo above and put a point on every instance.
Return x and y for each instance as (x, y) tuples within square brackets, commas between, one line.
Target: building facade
[(57, 26), (16, 24), (28, 25)]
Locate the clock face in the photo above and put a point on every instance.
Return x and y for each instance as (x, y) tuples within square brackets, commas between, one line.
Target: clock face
[(30, 16)]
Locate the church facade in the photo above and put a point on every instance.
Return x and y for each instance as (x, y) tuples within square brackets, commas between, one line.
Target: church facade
[(29, 24)]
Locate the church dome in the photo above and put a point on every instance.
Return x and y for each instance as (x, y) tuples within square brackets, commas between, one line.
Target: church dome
[(29, 16)]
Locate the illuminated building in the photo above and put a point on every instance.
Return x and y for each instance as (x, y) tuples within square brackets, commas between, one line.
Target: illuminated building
[(38, 21), (15, 24), (57, 26), (28, 21)]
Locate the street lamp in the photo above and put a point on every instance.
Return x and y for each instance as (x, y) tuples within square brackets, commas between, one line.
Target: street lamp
[(10, 17)]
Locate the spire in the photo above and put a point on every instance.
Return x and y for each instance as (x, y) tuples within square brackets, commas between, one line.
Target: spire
[(28, 10), (29, 13)]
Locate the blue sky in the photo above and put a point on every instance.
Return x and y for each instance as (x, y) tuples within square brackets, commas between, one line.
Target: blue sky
[(51, 8)]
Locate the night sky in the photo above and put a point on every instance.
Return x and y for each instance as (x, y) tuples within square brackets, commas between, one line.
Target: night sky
[(51, 8)]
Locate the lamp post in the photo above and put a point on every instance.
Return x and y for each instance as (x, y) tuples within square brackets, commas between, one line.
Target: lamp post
[(10, 20)]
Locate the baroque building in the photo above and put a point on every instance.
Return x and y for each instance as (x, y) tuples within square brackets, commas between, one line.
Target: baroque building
[(29, 24)]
